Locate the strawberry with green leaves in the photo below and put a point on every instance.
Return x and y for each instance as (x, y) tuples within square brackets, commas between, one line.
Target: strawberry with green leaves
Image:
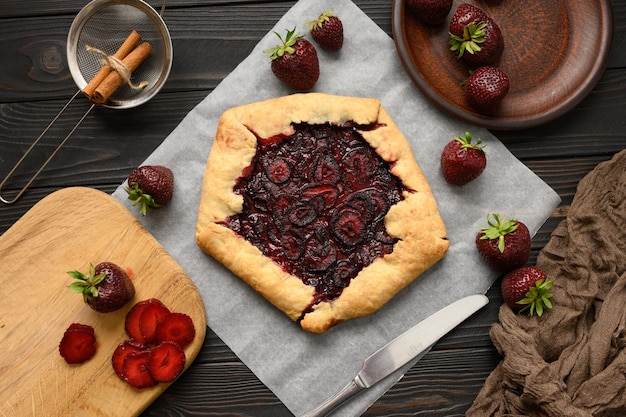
[(295, 61), (475, 37), (462, 160), (503, 244), (106, 288), (150, 186), (527, 289), (327, 31)]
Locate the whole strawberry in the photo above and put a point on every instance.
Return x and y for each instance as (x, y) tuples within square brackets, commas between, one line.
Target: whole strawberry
[(475, 37), (106, 288), (486, 88), (527, 289), (327, 31), (150, 186), (463, 161), (430, 12), (295, 61), (504, 244), (463, 16)]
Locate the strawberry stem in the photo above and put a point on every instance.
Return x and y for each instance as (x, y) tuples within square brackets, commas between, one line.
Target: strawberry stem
[(537, 299), (137, 195), (497, 229), (86, 284), (286, 46), (473, 35)]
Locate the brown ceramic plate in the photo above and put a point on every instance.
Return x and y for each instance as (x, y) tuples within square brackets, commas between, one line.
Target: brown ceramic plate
[(555, 52)]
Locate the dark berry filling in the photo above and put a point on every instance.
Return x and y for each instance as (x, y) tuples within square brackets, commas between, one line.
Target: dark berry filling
[(314, 202)]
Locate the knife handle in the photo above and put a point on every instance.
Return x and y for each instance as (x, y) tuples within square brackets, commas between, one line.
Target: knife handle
[(349, 391)]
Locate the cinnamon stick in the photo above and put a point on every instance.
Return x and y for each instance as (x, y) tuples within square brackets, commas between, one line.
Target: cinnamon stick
[(113, 80), (127, 46)]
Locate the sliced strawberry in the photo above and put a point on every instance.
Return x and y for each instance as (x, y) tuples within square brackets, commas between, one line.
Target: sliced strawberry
[(121, 352), (177, 328), (135, 370), (150, 316), (78, 343), (166, 362), (131, 323), (80, 327)]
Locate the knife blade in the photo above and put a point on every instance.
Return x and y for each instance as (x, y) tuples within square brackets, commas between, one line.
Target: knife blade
[(403, 348)]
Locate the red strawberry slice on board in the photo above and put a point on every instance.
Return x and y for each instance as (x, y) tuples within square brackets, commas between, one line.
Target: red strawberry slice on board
[(166, 362), (78, 344), (135, 370), (177, 328), (121, 352), (154, 311)]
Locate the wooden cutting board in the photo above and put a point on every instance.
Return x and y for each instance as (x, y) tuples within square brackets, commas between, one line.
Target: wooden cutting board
[(68, 230)]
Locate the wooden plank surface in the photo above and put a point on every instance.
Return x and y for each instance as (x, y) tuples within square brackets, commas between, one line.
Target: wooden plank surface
[(210, 38), (68, 230)]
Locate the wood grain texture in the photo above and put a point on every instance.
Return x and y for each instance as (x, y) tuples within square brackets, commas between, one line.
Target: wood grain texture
[(68, 230), (210, 38)]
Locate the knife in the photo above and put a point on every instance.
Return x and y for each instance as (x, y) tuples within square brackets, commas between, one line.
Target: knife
[(403, 348)]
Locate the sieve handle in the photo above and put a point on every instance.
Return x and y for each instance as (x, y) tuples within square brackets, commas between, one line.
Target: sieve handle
[(43, 166)]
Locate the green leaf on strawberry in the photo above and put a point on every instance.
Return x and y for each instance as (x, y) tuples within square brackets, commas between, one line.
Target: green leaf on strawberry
[(473, 35), (86, 284), (537, 298), (286, 46), (498, 228), (527, 289)]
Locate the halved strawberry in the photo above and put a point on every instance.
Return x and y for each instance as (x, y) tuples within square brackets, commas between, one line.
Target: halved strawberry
[(154, 311), (166, 362), (121, 352), (177, 328), (78, 343), (135, 370)]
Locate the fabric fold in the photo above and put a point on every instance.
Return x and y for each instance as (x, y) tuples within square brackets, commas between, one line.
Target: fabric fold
[(571, 361)]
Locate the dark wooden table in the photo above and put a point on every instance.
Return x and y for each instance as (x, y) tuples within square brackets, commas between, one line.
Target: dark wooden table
[(210, 38)]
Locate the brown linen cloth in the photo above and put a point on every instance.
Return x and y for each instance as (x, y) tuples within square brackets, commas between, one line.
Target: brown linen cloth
[(572, 361)]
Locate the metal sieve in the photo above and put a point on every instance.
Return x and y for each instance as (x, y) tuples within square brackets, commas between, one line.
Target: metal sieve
[(105, 24)]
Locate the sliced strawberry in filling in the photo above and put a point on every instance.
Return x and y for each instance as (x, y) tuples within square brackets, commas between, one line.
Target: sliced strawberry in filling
[(315, 202)]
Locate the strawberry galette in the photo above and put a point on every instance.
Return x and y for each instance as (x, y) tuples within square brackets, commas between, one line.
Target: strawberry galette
[(317, 202)]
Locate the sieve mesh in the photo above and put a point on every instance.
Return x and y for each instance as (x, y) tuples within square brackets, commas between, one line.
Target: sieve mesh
[(105, 24)]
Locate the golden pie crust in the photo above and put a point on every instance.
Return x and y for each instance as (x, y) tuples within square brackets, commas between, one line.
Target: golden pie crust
[(415, 220)]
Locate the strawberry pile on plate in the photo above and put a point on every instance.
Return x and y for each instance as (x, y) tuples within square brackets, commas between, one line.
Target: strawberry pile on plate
[(477, 40)]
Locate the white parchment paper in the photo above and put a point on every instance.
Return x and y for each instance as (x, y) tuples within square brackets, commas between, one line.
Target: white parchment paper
[(304, 369)]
